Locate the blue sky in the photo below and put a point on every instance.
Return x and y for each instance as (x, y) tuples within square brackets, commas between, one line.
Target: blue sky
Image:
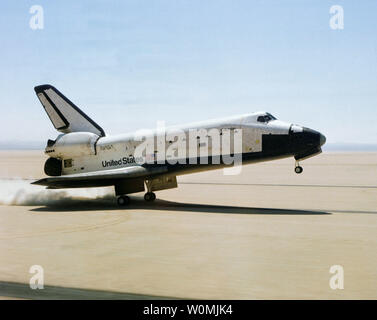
[(128, 64)]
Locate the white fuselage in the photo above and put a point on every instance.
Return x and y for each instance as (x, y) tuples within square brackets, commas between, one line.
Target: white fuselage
[(86, 152)]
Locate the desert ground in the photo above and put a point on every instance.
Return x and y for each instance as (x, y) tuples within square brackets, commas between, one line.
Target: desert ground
[(267, 233)]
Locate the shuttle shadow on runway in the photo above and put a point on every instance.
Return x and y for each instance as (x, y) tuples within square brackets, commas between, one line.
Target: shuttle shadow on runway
[(164, 205), (23, 291)]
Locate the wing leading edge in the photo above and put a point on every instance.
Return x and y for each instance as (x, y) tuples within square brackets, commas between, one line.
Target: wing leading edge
[(100, 178)]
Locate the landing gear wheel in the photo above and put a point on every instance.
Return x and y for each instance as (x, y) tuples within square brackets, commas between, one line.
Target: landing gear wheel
[(299, 169), (150, 196), (123, 201)]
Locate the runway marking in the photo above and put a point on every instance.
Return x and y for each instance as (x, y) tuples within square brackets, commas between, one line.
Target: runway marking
[(64, 230), (353, 211), (280, 185)]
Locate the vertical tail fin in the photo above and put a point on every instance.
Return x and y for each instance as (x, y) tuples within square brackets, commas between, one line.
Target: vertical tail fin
[(65, 115)]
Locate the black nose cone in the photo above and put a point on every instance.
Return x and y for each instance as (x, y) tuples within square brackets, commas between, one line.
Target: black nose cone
[(322, 139), (306, 142), (311, 138)]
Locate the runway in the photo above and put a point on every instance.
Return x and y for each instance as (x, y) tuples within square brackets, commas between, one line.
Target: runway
[(265, 234)]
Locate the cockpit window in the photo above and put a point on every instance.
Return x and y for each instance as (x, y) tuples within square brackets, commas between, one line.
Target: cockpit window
[(266, 118)]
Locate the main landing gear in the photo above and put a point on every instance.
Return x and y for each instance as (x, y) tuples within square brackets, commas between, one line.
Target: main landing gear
[(123, 201), (149, 196), (298, 169)]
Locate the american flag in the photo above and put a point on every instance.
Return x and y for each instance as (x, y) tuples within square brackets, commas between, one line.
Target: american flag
[(150, 157)]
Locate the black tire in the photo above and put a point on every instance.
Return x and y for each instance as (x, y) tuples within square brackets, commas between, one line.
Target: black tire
[(299, 169), (150, 196), (123, 201)]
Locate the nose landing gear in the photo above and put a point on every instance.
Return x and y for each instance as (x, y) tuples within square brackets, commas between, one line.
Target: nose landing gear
[(298, 168)]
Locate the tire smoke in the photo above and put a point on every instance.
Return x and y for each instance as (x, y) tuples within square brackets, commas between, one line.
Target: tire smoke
[(19, 192)]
